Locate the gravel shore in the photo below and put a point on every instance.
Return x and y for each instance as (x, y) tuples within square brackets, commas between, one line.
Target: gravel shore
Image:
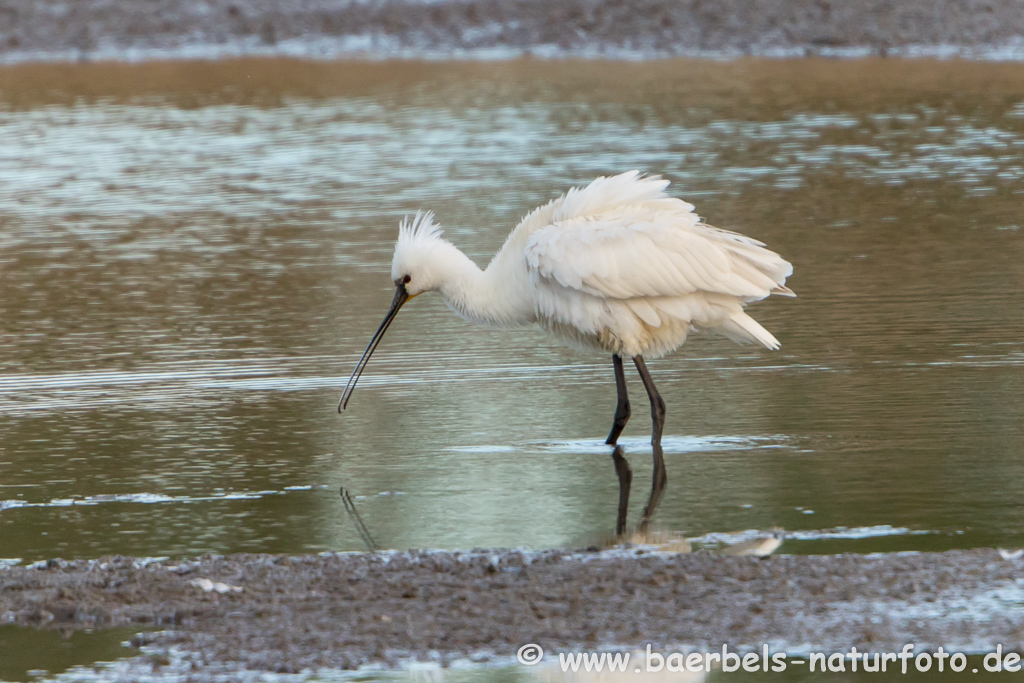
[(111, 29), (289, 614)]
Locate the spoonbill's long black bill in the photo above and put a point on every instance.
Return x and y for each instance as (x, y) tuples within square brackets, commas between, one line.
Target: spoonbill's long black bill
[(401, 296)]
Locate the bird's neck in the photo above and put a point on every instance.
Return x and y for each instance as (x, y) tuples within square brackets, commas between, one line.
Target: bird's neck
[(490, 297)]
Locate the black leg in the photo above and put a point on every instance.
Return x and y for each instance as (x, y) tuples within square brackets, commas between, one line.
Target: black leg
[(625, 480), (622, 410), (659, 477)]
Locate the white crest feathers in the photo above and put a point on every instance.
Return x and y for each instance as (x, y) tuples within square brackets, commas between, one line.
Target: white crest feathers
[(420, 228)]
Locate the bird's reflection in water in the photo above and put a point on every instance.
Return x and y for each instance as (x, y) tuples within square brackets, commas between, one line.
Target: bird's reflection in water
[(357, 520), (670, 541), (659, 540), (762, 546), (667, 541), (625, 475)]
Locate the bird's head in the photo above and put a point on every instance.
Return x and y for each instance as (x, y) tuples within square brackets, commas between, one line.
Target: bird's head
[(418, 266), (418, 263)]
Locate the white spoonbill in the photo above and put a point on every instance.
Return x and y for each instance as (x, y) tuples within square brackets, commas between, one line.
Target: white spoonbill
[(617, 266)]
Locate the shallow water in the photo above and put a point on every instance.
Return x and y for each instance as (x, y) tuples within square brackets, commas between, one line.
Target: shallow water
[(28, 654), (193, 256)]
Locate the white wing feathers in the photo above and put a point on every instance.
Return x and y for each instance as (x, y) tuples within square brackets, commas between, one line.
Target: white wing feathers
[(605, 194), (631, 269), (643, 253)]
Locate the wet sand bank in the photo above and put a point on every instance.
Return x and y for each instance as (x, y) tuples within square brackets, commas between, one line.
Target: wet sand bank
[(289, 613), (106, 29)]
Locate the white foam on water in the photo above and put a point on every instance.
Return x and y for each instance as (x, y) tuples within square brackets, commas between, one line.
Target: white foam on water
[(855, 533), (482, 449), (669, 444), (146, 498), (727, 538)]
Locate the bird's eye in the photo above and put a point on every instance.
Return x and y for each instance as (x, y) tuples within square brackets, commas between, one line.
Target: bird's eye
[(407, 279)]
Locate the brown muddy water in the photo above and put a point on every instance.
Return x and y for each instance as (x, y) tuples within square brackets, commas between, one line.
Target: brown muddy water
[(193, 256)]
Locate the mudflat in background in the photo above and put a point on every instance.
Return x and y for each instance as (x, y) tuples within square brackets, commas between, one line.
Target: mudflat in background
[(105, 29)]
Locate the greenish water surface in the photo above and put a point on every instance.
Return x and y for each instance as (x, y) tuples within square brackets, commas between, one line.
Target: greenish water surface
[(193, 256)]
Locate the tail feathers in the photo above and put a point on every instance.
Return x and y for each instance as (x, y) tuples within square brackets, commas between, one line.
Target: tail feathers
[(743, 329)]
